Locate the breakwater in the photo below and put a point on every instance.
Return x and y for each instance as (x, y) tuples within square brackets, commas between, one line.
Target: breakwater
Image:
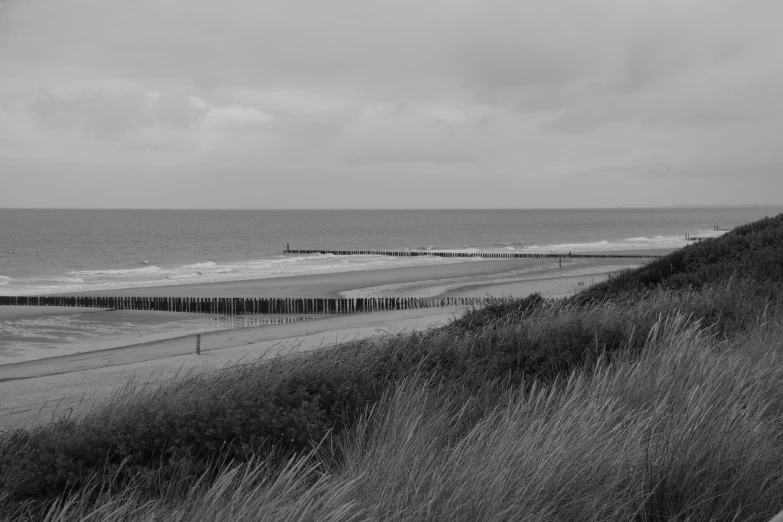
[(250, 305), (485, 255)]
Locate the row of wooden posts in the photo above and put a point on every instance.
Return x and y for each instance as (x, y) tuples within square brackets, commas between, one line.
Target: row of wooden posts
[(717, 228), (485, 255), (250, 305)]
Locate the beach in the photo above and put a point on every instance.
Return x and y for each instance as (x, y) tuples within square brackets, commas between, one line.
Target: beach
[(128, 346), (36, 391), (328, 284), (405, 281), (28, 333)]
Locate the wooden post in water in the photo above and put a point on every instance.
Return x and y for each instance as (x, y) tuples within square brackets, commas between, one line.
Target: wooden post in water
[(198, 344)]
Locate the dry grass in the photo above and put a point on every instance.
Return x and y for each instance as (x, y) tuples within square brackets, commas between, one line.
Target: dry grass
[(689, 429)]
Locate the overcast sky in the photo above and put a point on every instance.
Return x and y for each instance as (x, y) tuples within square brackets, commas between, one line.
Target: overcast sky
[(393, 104)]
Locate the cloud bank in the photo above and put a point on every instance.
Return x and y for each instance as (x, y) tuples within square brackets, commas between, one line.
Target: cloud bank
[(466, 103)]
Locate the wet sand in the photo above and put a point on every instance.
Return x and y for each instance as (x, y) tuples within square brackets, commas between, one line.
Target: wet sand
[(323, 285), (21, 312), (449, 277), (33, 392), (36, 332)]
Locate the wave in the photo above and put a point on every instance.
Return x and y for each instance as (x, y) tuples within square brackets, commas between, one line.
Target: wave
[(213, 272), (67, 280), (508, 243), (560, 246), (176, 277), (120, 272), (619, 245), (655, 239), (276, 265), (206, 264)]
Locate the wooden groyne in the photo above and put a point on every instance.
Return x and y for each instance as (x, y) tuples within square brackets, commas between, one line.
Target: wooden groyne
[(486, 255), (697, 239), (251, 305)]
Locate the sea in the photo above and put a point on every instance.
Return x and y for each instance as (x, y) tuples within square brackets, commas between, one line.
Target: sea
[(63, 251)]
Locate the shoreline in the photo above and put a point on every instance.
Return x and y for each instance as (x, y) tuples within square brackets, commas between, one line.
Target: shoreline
[(332, 284), (315, 285)]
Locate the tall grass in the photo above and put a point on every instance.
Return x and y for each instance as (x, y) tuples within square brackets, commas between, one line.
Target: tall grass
[(686, 429), (690, 430), (286, 406), (185, 432)]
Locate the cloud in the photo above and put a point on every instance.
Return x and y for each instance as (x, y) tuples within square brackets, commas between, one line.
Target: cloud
[(398, 135), (112, 114), (228, 115), (95, 114), (485, 89)]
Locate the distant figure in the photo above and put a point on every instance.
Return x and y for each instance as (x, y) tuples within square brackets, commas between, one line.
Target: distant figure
[(569, 254)]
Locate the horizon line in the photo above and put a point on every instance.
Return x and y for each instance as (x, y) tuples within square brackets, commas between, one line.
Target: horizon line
[(678, 205)]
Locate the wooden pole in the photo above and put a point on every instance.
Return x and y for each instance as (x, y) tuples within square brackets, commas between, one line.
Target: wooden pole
[(198, 344)]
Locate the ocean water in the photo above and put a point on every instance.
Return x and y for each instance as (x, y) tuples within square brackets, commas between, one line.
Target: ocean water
[(61, 251)]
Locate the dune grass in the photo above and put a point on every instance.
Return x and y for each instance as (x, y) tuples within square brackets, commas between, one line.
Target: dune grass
[(750, 252), (287, 406), (688, 429)]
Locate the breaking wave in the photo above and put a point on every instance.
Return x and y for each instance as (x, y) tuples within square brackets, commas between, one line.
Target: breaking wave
[(211, 272), (122, 272)]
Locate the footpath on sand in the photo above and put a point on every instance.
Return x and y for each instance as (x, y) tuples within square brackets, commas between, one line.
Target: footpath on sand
[(37, 391)]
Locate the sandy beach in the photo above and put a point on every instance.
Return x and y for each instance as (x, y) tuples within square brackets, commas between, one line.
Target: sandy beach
[(470, 273), (325, 285), (33, 391), (28, 333)]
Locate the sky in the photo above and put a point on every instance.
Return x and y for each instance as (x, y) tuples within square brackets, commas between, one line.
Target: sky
[(390, 103)]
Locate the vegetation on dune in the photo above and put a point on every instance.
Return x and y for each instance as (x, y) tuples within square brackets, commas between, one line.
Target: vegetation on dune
[(750, 252), (685, 429), (643, 397), (288, 405), (753, 251)]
